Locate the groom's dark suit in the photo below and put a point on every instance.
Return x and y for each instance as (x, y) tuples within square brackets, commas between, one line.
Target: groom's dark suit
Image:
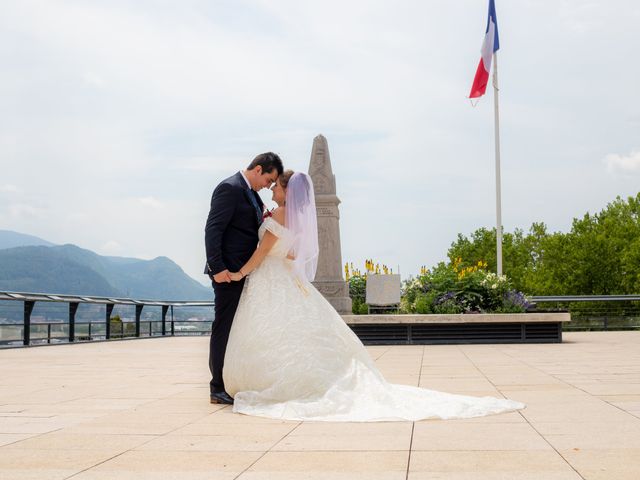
[(231, 237)]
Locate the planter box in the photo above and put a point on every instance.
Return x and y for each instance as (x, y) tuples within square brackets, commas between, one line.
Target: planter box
[(458, 329)]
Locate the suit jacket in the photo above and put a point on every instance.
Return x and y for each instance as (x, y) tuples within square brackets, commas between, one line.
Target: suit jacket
[(231, 233)]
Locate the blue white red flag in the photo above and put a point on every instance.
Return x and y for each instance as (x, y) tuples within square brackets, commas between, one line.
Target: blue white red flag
[(490, 45)]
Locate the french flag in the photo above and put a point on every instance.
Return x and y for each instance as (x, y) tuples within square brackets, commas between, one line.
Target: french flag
[(490, 45)]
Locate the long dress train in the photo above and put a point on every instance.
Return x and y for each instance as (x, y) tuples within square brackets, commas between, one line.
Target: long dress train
[(291, 356)]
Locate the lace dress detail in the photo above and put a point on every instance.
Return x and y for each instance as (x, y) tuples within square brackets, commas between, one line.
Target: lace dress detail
[(291, 356), (285, 238)]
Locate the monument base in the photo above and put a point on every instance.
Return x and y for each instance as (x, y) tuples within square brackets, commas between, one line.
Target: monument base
[(342, 305), (337, 294)]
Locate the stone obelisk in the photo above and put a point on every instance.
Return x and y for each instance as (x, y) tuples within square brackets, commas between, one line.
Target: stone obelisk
[(329, 280)]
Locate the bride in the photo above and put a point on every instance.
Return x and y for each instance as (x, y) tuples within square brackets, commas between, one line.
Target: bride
[(290, 354)]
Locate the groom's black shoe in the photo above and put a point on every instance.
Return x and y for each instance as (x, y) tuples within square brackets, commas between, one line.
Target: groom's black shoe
[(221, 397)]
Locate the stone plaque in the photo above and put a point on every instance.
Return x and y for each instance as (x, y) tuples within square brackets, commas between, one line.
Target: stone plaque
[(383, 289)]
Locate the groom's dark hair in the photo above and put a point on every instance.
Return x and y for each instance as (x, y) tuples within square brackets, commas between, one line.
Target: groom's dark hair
[(268, 161)]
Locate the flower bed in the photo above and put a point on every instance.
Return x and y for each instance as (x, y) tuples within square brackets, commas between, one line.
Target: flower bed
[(450, 289)]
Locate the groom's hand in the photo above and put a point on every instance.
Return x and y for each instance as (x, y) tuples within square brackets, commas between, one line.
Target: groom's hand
[(222, 277), (236, 276)]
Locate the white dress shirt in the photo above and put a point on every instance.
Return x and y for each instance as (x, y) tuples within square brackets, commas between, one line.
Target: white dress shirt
[(245, 178)]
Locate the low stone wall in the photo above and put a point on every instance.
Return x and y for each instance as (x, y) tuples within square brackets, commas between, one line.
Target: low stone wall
[(460, 328)]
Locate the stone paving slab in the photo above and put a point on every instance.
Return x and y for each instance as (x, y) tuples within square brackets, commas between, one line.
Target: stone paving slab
[(139, 410)]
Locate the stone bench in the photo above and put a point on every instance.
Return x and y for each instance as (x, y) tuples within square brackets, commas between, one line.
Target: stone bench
[(459, 328)]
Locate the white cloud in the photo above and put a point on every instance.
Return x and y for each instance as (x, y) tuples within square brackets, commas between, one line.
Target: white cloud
[(23, 211), (94, 80), (150, 202), (629, 164), (111, 247), (8, 188), (218, 166)]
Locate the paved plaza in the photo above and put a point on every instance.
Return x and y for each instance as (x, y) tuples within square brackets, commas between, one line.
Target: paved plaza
[(139, 409)]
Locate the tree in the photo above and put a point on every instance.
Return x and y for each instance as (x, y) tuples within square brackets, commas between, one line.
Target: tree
[(599, 256)]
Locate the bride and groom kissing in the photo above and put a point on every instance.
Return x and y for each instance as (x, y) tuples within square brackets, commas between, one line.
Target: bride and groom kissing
[(278, 349)]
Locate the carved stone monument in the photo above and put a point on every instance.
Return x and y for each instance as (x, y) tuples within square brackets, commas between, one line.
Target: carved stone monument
[(329, 280)]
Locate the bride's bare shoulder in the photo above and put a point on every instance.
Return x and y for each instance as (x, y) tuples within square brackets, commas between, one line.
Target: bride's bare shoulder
[(278, 215)]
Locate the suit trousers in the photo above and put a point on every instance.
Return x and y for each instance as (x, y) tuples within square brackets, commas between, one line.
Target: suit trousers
[(227, 297)]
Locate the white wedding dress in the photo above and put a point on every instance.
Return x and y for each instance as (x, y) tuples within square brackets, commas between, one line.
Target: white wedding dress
[(291, 356)]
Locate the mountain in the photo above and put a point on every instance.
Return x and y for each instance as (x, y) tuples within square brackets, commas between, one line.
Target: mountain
[(9, 239), (42, 270), (68, 269)]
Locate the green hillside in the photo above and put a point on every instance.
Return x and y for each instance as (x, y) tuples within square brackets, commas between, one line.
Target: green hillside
[(68, 269)]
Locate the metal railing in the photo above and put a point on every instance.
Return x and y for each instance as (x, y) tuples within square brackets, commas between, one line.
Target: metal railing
[(594, 312), (38, 318)]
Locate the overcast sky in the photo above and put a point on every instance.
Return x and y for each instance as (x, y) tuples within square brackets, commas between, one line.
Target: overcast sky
[(118, 118)]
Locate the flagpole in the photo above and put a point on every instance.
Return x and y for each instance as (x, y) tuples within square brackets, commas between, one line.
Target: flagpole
[(498, 183)]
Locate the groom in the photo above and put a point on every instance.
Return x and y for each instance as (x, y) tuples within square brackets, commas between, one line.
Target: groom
[(231, 237)]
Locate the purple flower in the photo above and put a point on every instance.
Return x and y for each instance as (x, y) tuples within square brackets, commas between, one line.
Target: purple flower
[(444, 297), (517, 299)]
